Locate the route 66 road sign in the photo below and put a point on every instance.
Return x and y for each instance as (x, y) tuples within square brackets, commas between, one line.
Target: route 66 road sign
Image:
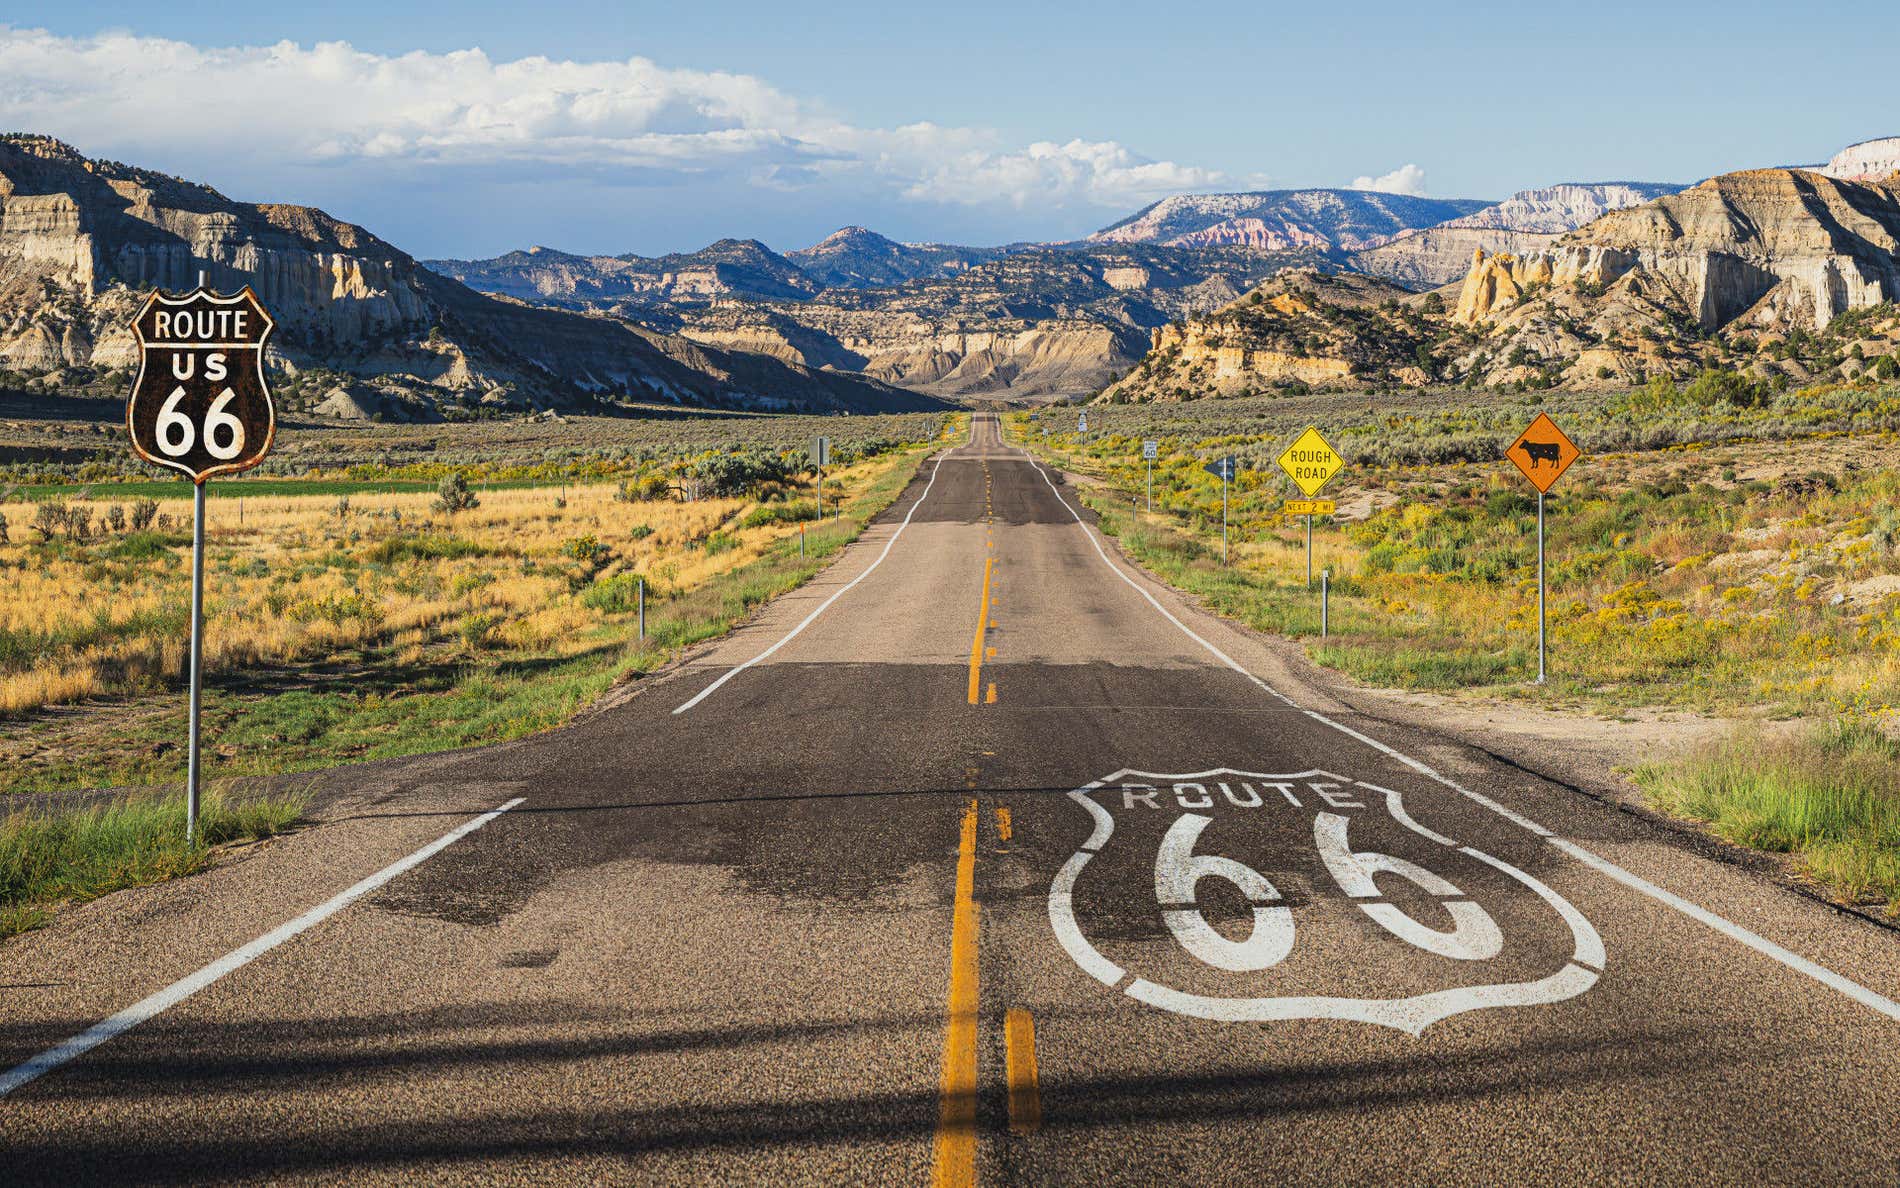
[(1305, 895), (201, 405)]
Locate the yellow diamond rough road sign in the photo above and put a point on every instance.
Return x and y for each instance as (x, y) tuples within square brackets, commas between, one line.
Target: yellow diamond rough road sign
[(1543, 453), (1310, 462)]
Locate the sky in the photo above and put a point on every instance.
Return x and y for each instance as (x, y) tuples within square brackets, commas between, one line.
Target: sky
[(470, 129)]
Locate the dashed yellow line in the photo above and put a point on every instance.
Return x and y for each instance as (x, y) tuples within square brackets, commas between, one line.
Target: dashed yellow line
[(1019, 1070), (954, 1163)]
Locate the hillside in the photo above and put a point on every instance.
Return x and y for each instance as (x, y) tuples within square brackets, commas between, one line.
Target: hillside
[(82, 241), (1781, 275), (1524, 222), (1283, 220)]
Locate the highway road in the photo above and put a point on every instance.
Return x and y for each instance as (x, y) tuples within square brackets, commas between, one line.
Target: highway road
[(982, 858)]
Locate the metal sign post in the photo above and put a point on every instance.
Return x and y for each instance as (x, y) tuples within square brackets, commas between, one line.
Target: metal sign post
[(821, 455), (1541, 454), (1149, 451), (1540, 587), (1226, 468), (201, 406)]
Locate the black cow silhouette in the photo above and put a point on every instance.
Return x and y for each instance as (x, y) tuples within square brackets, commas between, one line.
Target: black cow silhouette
[(1541, 451)]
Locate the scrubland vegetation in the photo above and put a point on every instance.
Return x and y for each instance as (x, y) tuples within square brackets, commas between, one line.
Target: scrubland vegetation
[(402, 606), (1733, 555)]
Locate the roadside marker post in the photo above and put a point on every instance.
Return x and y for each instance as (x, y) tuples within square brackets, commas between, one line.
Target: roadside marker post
[(1226, 468), (640, 591), (1150, 450), (1311, 463), (1541, 454), (820, 449), (1325, 593), (201, 406)]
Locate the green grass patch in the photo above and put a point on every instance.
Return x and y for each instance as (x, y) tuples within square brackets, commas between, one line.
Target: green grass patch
[(791, 511), (1830, 798), (54, 857), (425, 546)]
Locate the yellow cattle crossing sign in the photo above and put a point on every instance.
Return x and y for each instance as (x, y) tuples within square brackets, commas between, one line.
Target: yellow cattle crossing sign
[(1311, 507), (1310, 462)]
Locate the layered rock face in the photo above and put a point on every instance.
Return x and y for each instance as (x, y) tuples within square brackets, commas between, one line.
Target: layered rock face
[(1281, 220), (1523, 223), (1771, 249), (82, 242), (87, 228)]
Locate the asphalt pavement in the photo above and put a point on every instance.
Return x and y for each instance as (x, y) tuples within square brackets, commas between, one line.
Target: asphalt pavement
[(981, 858)]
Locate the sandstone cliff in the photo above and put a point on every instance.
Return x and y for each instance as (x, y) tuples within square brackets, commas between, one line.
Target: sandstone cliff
[(1765, 249), (82, 241), (1870, 160)]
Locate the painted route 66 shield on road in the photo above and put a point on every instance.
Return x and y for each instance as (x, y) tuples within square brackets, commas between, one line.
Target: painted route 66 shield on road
[(1256, 897), (201, 405)]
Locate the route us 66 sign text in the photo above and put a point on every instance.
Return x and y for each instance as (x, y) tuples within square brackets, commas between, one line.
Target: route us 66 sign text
[(201, 405)]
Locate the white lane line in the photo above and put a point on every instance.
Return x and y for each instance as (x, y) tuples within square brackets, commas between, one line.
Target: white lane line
[(1736, 932), (189, 985), (709, 690)]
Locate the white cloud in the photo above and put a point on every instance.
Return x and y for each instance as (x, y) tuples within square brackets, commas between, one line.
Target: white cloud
[(146, 98), (1406, 179)]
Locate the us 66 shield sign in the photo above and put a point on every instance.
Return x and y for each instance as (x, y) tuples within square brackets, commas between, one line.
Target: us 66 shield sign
[(200, 404)]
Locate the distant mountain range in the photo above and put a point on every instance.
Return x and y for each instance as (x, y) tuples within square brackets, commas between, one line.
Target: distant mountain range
[(860, 321), (1018, 321)]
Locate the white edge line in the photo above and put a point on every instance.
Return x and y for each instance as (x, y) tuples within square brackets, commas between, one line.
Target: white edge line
[(1735, 932), (807, 621), (189, 985)]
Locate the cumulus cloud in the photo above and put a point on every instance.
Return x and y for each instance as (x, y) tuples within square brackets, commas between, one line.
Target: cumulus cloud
[(1406, 179), (633, 120)]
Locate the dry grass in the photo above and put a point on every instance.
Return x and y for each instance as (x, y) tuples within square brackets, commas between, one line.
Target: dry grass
[(306, 577)]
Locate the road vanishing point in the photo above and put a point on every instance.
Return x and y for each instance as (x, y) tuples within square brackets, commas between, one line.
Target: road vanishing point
[(982, 858)]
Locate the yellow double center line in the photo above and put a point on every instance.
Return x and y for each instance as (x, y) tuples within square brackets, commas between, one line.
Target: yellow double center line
[(982, 631), (955, 1162)]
